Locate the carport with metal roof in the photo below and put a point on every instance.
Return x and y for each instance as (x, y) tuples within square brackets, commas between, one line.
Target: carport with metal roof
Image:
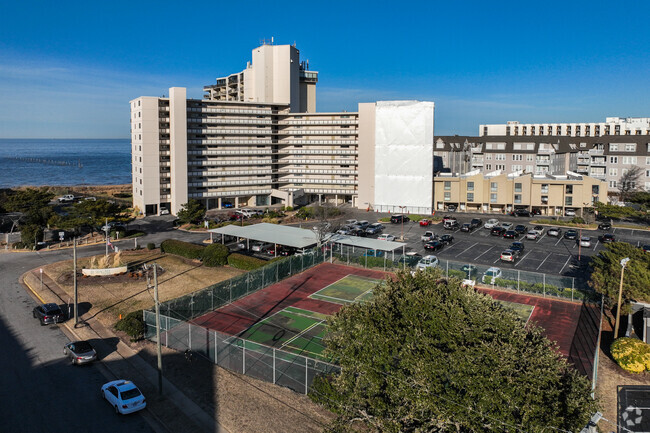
[(367, 243)]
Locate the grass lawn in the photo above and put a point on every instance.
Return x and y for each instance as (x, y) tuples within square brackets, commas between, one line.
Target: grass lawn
[(111, 296)]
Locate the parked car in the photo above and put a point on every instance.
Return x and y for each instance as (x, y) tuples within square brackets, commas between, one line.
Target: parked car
[(447, 239), (569, 212), (345, 230), (164, 211), (521, 229), (451, 225), (571, 234), (434, 245), (68, 198), (451, 208), (467, 227), (522, 212), (517, 246), (427, 262), (448, 218), (476, 223), (386, 237), (585, 242), (124, 396), (425, 223), (555, 232), (539, 230), (350, 222), (509, 256), (80, 352), (48, 314), (605, 226), (470, 270), (532, 235), (507, 226), (491, 223), (374, 228), (646, 248), (363, 224), (260, 247), (373, 253), (282, 251), (497, 231), (491, 274), (357, 231), (428, 236), (511, 234), (607, 238), (396, 219)]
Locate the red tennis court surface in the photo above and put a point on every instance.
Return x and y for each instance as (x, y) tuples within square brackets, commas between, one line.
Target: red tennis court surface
[(573, 326)]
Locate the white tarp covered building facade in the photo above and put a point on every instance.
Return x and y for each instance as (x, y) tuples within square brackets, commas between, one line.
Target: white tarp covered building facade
[(396, 156)]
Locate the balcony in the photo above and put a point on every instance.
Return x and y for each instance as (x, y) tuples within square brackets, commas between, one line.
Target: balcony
[(599, 161), (336, 181), (224, 173), (319, 161), (291, 122), (317, 151), (231, 183), (231, 193), (543, 161), (230, 152)]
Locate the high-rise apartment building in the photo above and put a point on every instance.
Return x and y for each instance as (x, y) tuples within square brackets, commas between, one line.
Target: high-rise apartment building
[(611, 126)]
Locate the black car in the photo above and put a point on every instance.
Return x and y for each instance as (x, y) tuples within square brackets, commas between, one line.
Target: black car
[(498, 231), (521, 229), (607, 238), (522, 212), (451, 225), (604, 226), (571, 234), (517, 246), (434, 245), (396, 219), (356, 231), (476, 223), (451, 208), (467, 227), (374, 228), (646, 248), (511, 234), (446, 239), (48, 314)]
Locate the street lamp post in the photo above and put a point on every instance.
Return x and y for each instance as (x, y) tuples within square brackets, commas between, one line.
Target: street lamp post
[(620, 295), (402, 237)]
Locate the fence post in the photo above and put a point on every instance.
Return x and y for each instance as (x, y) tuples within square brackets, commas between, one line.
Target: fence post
[(306, 375), (189, 336), (518, 274), (544, 280), (230, 288), (348, 248), (211, 299), (366, 256), (290, 260), (166, 331), (446, 262), (248, 282), (274, 366), (572, 287), (216, 352), (243, 356), (331, 253), (384, 262)]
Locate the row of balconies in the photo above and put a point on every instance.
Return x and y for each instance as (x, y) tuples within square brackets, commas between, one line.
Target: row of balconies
[(251, 142), (230, 121), (291, 122), (230, 152), (317, 180), (231, 183), (251, 111), (208, 173), (214, 131), (294, 151), (231, 193), (316, 171), (314, 142)]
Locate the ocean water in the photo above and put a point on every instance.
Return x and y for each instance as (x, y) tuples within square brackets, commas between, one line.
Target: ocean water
[(64, 162)]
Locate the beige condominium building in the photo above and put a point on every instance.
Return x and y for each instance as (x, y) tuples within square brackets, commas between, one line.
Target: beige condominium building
[(262, 143), (501, 192), (611, 126)]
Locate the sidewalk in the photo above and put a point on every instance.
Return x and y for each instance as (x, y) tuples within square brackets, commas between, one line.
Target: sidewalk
[(171, 412)]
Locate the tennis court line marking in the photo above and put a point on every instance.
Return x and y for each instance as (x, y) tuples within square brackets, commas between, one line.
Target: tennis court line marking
[(531, 314), (348, 275), (301, 332), (302, 314), (345, 301), (362, 295)]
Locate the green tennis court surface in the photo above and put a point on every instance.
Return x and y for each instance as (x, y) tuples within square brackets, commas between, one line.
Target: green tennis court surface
[(351, 288), (522, 310)]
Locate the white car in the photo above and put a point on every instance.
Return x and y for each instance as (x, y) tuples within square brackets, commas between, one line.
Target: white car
[(164, 211), (386, 237), (427, 236), (427, 262), (124, 396), (66, 198), (351, 222), (490, 275), (532, 235), (570, 212), (507, 226), (585, 241), (491, 223), (260, 247)]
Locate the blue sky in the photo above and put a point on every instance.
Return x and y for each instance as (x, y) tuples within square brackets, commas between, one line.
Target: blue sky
[(68, 69)]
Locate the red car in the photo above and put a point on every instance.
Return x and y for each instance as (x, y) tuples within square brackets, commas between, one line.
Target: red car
[(425, 223)]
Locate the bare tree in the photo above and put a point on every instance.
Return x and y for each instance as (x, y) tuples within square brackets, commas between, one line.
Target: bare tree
[(628, 183), (325, 225)]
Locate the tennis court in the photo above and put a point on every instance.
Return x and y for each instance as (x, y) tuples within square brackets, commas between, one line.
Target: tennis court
[(524, 311), (349, 289)]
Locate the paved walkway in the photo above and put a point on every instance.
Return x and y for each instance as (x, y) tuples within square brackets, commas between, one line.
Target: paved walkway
[(171, 412)]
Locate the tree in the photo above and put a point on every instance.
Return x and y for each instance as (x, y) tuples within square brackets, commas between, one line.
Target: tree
[(191, 212), (426, 354), (30, 234), (606, 274), (89, 213), (628, 182), (324, 226), (33, 203)]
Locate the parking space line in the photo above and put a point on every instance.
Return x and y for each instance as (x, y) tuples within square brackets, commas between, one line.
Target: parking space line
[(497, 260), (540, 238), (596, 245), (522, 259), (566, 263), (470, 247), (558, 241), (540, 265), (476, 258)]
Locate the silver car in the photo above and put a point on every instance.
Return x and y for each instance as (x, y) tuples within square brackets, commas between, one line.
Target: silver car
[(80, 352), (260, 247)]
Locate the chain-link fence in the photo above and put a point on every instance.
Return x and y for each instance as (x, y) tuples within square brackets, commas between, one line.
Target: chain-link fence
[(239, 355)]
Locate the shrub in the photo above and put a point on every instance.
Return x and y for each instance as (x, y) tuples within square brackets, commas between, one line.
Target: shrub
[(30, 234), (215, 255), (115, 232), (288, 208), (631, 354), (577, 220), (384, 219), (461, 275), (132, 325), (123, 195), (151, 246), (183, 249), (417, 218), (246, 263)]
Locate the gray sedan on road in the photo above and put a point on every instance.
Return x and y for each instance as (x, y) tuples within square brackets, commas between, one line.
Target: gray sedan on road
[(80, 352)]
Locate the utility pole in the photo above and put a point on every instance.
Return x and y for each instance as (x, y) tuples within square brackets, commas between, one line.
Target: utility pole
[(106, 234), (158, 346), (620, 295), (74, 281), (593, 422)]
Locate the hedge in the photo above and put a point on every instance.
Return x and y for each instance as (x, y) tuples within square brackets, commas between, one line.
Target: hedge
[(215, 255), (132, 324), (631, 354), (183, 249), (246, 263)]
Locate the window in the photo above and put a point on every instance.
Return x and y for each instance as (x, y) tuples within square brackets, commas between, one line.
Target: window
[(647, 173), (569, 189), (447, 185), (493, 186), (447, 196), (647, 160), (488, 156), (613, 159), (595, 189), (612, 184), (500, 167), (529, 168), (493, 198), (629, 160), (544, 199), (500, 157), (516, 146), (545, 188), (613, 147), (517, 187), (568, 200), (515, 167), (470, 186), (517, 157), (613, 171), (630, 147), (517, 198), (647, 186), (470, 196), (488, 167), (530, 157)]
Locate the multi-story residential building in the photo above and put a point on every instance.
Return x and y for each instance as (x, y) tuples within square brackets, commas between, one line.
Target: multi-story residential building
[(502, 192), (239, 152), (611, 126), (604, 158), (276, 75)]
